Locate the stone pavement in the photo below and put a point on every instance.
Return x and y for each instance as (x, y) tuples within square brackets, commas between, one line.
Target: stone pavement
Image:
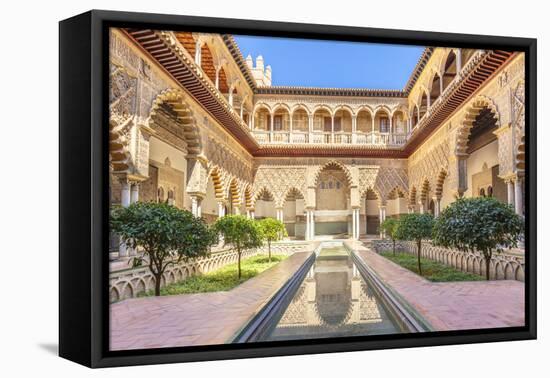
[(195, 319), (453, 305)]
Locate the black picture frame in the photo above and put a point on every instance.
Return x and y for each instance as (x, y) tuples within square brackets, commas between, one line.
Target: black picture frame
[(83, 181)]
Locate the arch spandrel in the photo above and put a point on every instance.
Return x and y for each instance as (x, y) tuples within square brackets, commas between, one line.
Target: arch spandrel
[(177, 102)]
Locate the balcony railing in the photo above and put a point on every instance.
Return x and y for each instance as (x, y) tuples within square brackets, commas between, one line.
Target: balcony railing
[(320, 137)]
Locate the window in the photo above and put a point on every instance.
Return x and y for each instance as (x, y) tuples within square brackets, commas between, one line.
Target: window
[(277, 123), (330, 184), (328, 124), (338, 185), (322, 185), (338, 124), (490, 191), (384, 125), (482, 192)]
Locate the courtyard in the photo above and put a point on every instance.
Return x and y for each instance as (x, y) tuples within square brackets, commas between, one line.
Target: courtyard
[(251, 204)]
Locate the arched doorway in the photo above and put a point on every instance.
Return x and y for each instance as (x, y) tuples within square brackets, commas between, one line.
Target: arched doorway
[(372, 212), (332, 195), (481, 149), (293, 214)]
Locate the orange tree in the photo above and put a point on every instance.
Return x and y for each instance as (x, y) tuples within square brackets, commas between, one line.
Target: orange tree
[(271, 230), (415, 227), (239, 231), (389, 227), (478, 224), (166, 234)]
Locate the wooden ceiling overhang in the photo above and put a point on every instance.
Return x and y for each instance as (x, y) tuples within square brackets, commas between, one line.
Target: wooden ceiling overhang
[(159, 46), (473, 78), (181, 68)]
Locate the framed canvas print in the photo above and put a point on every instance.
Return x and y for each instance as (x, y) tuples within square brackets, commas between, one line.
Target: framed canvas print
[(235, 188)]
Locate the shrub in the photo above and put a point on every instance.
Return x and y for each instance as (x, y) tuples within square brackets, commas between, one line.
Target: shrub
[(166, 234), (481, 224), (415, 227)]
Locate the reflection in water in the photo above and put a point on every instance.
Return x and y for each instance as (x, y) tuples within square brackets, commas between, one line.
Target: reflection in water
[(333, 301)]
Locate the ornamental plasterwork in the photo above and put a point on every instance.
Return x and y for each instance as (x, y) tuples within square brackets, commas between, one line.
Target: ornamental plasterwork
[(382, 180), (428, 164), (122, 93), (222, 156), (279, 180), (518, 109)]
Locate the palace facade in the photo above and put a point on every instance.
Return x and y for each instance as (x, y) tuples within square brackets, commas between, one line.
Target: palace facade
[(194, 123)]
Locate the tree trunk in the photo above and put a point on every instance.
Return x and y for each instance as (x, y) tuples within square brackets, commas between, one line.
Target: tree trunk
[(158, 278), (239, 262), (393, 242), (269, 249), (487, 266), (418, 253)]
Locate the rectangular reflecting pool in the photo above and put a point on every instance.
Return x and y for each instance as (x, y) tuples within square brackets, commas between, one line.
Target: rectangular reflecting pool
[(333, 300)]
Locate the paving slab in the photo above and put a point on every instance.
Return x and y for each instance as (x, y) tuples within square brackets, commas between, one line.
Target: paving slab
[(196, 319), (453, 305)]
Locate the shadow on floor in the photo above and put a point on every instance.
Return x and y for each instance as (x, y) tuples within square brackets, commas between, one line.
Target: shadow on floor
[(51, 348)]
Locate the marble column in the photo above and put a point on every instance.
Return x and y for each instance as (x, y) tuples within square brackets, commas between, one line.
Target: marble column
[(355, 223), (271, 117), (518, 200), (198, 52), (123, 250), (221, 209), (134, 195), (312, 224), (308, 225), (354, 129), (195, 206), (382, 217), (510, 191), (437, 206), (332, 130)]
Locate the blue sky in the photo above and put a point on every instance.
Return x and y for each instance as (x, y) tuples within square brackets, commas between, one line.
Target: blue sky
[(314, 63)]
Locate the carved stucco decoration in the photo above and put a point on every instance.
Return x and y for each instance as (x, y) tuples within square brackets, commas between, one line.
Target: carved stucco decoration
[(518, 124), (279, 181), (472, 111), (122, 107), (429, 165), (177, 104), (222, 156), (382, 181)]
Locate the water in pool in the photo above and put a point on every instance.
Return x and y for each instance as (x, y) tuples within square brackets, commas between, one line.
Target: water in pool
[(333, 301)]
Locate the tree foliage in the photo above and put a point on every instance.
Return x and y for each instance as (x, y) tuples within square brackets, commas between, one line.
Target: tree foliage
[(271, 230), (415, 227), (389, 227), (166, 234), (481, 224), (240, 232)]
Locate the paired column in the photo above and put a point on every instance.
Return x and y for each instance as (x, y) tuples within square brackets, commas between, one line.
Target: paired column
[(510, 192), (196, 206), (310, 224), (353, 129), (279, 214), (310, 127), (271, 117), (437, 205), (355, 221), (518, 196), (332, 129), (382, 216), (125, 199), (221, 209)]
